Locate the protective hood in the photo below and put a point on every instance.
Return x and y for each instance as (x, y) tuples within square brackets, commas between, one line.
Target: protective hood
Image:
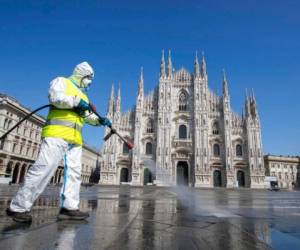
[(83, 75)]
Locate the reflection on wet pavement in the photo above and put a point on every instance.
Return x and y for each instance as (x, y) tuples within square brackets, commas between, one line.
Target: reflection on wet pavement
[(159, 218)]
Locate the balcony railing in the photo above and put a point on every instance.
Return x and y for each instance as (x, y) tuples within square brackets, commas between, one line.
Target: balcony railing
[(187, 143)]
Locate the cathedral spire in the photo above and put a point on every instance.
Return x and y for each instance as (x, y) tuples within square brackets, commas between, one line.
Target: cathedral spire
[(118, 101), (203, 67), (247, 105), (196, 66), (111, 101), (170, 67), (243, 113), (225, 85), (141, 83), (253, 104), (253, 96), (162, 65)]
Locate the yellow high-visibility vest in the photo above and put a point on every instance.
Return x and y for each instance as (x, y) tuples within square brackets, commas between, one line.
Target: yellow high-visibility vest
[(65, 123)]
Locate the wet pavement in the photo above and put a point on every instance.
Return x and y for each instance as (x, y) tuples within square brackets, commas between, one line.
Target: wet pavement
[(159, 218)]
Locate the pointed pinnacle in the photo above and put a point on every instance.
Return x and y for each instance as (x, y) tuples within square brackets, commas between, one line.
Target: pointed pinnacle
[(203, 66), (142, 74), (112, 90), (162, 55), (203, 57), (253, 95), (224, 76), (119, 90)]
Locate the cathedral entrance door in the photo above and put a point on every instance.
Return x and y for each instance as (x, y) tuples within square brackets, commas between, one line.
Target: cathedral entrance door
[(182, 173), (217, 178), (240, 175), (147, 176), (124, 175)]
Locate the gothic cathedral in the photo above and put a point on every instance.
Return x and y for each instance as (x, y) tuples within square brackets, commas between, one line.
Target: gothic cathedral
[(184, 134)]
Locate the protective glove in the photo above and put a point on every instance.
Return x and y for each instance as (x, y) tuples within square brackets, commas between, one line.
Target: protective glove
[(83, 105), (105, 122)]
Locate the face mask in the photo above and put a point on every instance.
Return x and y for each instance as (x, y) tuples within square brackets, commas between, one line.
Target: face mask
[(86, 82)]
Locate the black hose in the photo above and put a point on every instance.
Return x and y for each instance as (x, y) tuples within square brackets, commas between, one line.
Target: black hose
[(25, 118)]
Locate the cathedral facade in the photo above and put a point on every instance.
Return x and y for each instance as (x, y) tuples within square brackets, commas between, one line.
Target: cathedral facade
[(184, 134)]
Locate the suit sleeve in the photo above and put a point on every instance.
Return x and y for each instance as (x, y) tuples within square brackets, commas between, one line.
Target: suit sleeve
[(57, 96)]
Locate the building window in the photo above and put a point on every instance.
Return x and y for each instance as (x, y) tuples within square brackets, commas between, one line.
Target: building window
[(9, 124), (5, 123), (2, 144), (125, 149), (215, 128), (148, 148), (27, 151), (183, 101), (238, 149), (216, 150), (14, 147), (182, 132), (150, 126)]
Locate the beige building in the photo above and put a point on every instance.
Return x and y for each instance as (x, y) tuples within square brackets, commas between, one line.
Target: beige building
[(285, 168), (20, 148), (90, 161)]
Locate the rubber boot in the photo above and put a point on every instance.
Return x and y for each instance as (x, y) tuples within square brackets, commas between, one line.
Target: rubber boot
[(65, 214), (24, 217)]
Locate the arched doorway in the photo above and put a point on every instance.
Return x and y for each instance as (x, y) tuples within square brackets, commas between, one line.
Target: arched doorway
[(16, 173), (22, 174), (124, 175), (240, 176), (217, 178), (182, 173), (148, 178), (8, 169)]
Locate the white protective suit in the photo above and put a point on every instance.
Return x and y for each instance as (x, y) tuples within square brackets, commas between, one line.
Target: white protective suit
[(54, 150)]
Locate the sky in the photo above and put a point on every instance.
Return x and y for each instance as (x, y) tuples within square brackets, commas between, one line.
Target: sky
[(256, 42)]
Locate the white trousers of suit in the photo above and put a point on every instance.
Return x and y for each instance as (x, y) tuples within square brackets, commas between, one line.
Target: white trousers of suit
[(52, 152)]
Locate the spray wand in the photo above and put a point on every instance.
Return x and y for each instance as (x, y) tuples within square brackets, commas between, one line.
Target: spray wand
[(112, 130)]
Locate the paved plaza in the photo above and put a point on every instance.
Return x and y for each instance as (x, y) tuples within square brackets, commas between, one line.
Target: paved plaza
[(159, 218)]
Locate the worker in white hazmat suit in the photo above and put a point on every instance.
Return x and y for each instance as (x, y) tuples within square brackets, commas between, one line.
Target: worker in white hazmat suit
[(61, 141)]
